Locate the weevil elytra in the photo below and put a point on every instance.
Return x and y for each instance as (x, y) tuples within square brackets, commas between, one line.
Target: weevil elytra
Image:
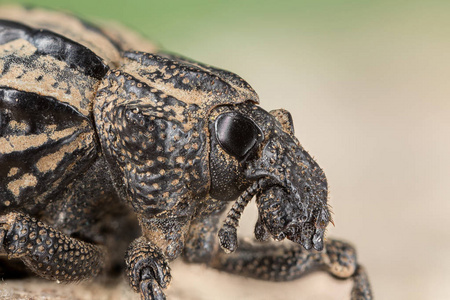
[(108, 143)]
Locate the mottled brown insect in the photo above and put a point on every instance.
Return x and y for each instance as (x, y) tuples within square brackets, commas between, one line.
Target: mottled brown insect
[(106, 150)]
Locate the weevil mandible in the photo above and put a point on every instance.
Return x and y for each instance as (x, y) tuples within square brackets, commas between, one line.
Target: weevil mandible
[(108, 145)]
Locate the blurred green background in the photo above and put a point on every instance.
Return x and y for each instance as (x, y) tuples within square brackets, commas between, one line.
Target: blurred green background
[(367, 83)]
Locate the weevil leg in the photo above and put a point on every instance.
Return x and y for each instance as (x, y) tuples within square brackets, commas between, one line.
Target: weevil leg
[(339, 259), (284, 262), (202, 243), (361, 288), (48, 252), (274, 261), (147, 269)]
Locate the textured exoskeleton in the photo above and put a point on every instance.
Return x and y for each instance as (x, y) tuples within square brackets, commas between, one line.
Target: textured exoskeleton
[(98, 140)]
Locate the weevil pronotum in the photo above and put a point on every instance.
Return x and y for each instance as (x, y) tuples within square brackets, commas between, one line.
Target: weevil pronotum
[(110, 147)]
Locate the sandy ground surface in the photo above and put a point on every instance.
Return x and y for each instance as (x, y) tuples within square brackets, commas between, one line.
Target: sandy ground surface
[(370, 101), (190, 282)]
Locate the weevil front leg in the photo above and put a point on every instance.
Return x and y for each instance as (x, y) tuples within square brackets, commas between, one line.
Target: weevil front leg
[(361, 287), (290, 261), (147, 269), (48, 252), (275, 262)]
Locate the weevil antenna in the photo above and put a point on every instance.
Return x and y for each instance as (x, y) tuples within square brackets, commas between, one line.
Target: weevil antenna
[(228, 232)]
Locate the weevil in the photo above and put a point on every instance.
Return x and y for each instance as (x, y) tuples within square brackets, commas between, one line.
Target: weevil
[(111, 147)]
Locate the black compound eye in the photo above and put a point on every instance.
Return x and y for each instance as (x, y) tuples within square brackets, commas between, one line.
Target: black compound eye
[(236, 134)]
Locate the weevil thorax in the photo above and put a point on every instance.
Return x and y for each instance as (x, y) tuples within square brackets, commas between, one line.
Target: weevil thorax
[(252, 145), (152, 119)]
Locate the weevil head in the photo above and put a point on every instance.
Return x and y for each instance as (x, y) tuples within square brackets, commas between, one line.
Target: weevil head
[(249, 144)]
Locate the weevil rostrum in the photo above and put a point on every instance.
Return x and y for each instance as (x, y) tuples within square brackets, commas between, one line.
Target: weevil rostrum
[(110, 147)]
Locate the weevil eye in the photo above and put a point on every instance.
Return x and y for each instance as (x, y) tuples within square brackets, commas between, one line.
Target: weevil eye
[(236, 134)]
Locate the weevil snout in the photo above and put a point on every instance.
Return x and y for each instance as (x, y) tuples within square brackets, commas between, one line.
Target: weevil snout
[(295, 207), (291, 193)]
